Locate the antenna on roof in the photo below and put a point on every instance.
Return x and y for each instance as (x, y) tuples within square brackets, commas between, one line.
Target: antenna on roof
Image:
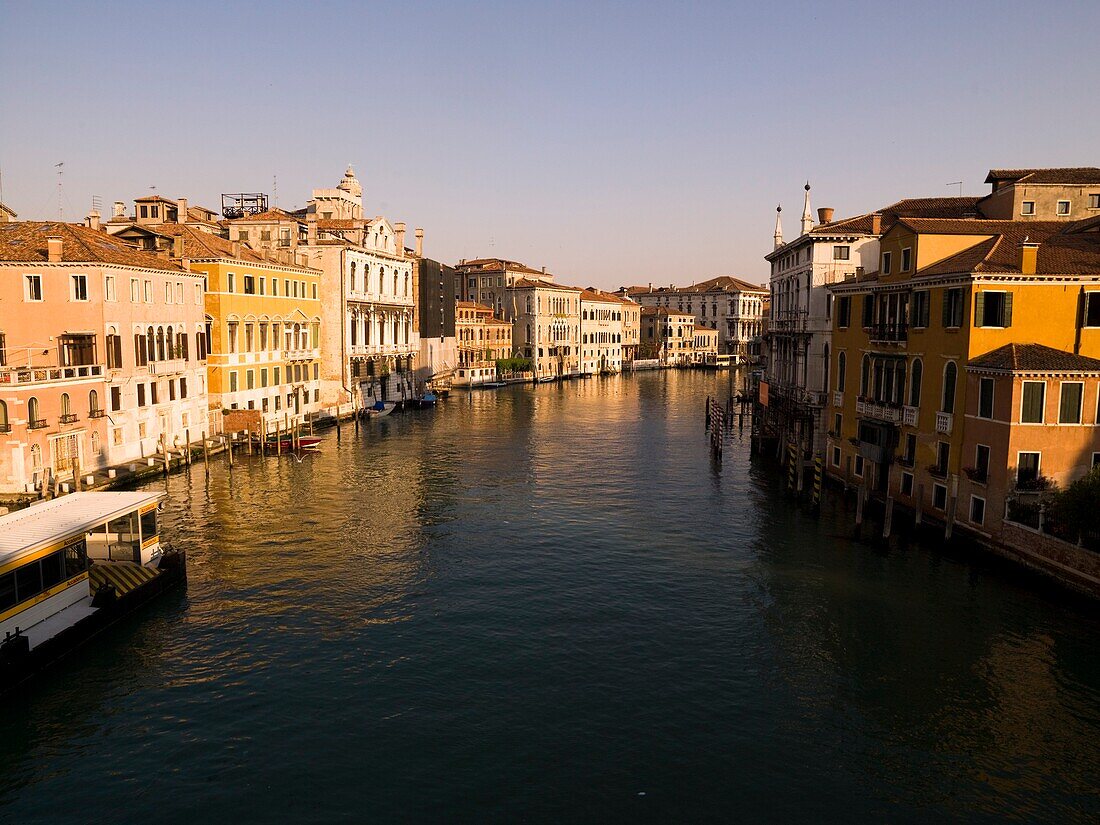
[(275, 189), (60, 202), (957, 183), (97, 202)]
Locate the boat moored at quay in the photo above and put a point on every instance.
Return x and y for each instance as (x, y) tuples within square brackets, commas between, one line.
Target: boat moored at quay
[(70, 567)]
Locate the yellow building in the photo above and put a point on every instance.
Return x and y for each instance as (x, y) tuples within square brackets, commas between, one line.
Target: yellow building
[(946, 292), (263, 321)]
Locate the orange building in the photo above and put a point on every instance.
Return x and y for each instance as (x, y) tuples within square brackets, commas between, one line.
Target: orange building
[(482, 341)]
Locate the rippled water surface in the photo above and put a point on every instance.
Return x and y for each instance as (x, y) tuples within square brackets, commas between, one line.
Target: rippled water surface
[(549, 604)]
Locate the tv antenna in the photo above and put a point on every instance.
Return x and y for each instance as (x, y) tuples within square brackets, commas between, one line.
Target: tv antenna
[(60, 193), (957, 183), (275, 189)]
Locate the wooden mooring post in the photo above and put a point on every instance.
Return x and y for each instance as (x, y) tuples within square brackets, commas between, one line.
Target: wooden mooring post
[(206, 457)]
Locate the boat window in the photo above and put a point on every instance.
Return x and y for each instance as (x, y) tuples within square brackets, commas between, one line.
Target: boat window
[(7, 591), (53, 569), (28, 581), (149, 524), (76, 558), (122, 537)]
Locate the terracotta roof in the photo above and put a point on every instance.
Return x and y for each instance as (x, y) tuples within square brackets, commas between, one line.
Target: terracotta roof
[(1033, 358), (340, 223), (198, 244), (591, 294), (723, 283), (528, 283), (1070, 175), (267, 216), (958, 207), (472, 305), (1064, 249), (25, 242), (497, 265)]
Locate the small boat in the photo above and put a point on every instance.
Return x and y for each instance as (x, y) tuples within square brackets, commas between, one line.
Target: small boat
[(491, 385), (72, 566), (381, 408), (305, 442), (546, 379), (428, 399)]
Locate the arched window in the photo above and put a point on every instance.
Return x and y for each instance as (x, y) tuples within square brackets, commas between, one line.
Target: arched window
[(841, 370), (66, 405), (160, 344), (171, 343), (865, 376), (915, 382), (32, 411), (36, 457), (395, 327), (381, 279), (93, 404), (406, 283), (151, 339), (950, 373), (825, 377), (395, 284), (95, 443), (4, 426), (351, 280)]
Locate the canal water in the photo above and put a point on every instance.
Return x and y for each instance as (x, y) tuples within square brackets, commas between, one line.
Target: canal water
[(550, 604)]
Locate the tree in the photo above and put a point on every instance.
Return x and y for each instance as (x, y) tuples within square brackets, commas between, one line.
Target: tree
[(1074, 509)]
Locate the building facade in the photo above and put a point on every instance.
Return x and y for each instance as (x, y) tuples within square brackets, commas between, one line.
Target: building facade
[(601, 333), (482, 341), (913, 340), (546, 320), (102, 356), (487, 281), (667, 335)]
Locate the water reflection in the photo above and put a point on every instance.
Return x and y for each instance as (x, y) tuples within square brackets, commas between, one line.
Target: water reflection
[(541, 603)]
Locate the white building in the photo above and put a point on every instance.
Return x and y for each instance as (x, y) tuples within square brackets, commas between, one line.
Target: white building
[(601, 332), (546, 319)]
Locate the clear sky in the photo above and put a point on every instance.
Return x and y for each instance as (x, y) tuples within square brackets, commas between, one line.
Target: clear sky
[(612, 143)]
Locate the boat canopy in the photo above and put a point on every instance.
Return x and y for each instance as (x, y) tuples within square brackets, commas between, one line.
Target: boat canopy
[(49, 522)]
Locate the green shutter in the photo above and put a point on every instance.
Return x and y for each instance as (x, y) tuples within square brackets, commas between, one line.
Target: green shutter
[(1007, 321), (946, 309), (979, 309)]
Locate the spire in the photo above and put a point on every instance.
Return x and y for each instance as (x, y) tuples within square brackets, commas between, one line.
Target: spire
[(807, 216), (778, 226)]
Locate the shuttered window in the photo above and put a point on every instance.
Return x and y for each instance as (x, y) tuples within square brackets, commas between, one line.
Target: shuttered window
[(1032, 402), (1069, 407), (993, 309)]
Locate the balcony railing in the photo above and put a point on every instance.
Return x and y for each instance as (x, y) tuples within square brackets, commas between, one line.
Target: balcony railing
[(306, 354), (838, 398), (172, 366), (16, 376), (36, 424), (890, 333), (96, 413), (944, 421), (5, 428), (879, 411), (909, 416), (68, 418)]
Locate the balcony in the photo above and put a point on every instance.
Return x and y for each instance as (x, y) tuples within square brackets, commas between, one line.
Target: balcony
[(936, 471), (68, 418), (26, 376), (173, 366), (906, 462), (309, 354), (96, 413), (909, 416), (978, 474), (879, 411), (36, 424), (838, 398), (5, 428), (944, 422), (889, 333)]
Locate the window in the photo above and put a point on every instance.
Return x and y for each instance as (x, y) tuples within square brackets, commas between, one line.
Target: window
[(1062, 210), (939, 497), (250, 379), (943, 455), (838, 420), (93, 404), (141, 395), (868, 311), (153, 392), (981, 463), (886, 256), (906, 259), (915, 383), (977, 510), (148, 289), (135, 291), (1092, 309), (842, 253), (114, 350), (1032, 402), (167, 293), (952, 307), (230, 282), (844, 312), (233, 381), (857, 471), (841, 370), (985, 398), (907, 484), (116, 399), (993, 309), (33, 288), (109, 288), (910, 455), (950, 373), (918, 308), (1027, 467), (249, 285), (1027, 208), (232, 327), (183, 387), (1069, 406)]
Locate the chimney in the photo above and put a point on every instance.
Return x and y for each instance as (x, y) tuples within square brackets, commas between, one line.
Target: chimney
[(177, 246), (825, 214), (236, 249), (92, 221), (311, 228), (1029, 257), (185, 263), (420, 243), (181, 210), (876, 223), (399, 231), (118, 211), (53, 249)]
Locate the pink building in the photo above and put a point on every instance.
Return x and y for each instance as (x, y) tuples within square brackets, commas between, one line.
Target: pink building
[(102, 353)]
